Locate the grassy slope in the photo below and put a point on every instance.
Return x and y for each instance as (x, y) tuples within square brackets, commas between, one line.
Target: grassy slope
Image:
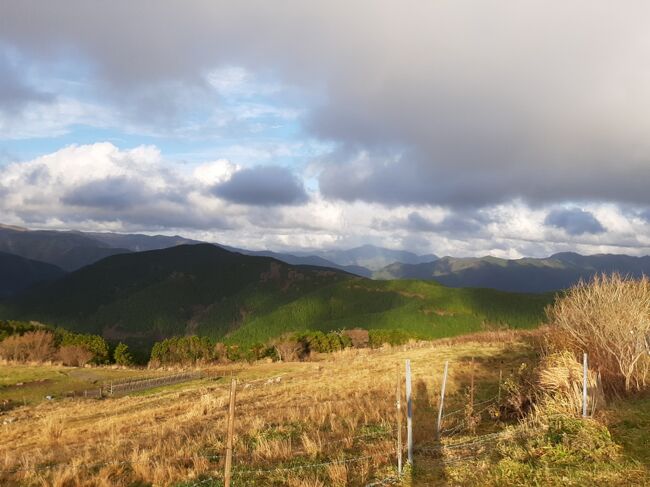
[(424, 308), (31, 383), (202, 289), (340, 406)]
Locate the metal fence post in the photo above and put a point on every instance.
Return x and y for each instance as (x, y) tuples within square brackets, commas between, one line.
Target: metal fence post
[(584, 385), (231, 428), (398, 405), (409, 413), (442, 399)]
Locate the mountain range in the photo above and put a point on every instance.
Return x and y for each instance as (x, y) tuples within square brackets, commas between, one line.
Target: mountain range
[(72, 250), (141, 297), (558, 271)]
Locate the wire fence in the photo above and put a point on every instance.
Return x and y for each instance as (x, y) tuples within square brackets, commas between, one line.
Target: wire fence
[(114, 388), (348, 450)]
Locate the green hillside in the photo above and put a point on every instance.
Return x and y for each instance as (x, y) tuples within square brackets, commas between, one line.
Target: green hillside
[(206, 290), (426, 309)]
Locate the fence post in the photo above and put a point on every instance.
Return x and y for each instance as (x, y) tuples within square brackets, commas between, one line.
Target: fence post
[(398, 405), (471, 385), (409, 413), (442, 398), (231, 428), (584, 385), (499, 393)]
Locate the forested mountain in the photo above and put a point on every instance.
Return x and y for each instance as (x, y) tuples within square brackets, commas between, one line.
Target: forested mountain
[(207, 290), (18, 274)]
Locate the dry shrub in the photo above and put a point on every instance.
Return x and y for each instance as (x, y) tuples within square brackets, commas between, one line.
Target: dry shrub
[(559, 381), (290, 349), (609, 318), (360, 338), (74, 355), (33, 346)]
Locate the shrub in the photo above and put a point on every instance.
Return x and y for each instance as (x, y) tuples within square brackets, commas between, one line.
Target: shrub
[(121, 355), (9, 328), (33, 346), (94, 344), (187, 350), (290, 348), (609, 318), (377, 338), (359, 337), (74, 355)]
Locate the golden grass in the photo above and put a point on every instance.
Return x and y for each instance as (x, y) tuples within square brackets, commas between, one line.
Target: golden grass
[(338, 410)]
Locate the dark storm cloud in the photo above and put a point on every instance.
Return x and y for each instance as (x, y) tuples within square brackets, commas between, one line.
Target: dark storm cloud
[(454, 103), (115, 193), (15, 92), (262, 185), (575, 221)]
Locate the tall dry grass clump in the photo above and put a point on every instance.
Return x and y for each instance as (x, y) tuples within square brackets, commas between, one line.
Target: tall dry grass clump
[(609, 318)]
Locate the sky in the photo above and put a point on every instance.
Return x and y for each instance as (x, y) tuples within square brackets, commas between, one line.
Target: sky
[(450, 127)]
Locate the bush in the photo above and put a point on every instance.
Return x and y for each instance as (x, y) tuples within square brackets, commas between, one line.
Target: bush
[(74, 355), (9, 328), (359, 337), (377, 338), (609, 318), (290, 348), (94, 344), (121, 355), (33, 346), (188, 350)]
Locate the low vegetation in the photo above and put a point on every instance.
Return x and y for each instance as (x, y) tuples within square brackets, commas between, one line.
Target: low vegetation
[(32, 342), (608, 318), (324, 415), (246, 301)]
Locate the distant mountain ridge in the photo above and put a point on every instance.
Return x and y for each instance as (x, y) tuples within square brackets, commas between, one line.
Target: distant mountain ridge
[(72, 250), (313, 260), (553, 273), (67, 250), (371, 256), (18, 274)]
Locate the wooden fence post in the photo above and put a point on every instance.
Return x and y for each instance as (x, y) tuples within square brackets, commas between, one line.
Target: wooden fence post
[(409, 413), (499, 393), (231, 429), (398, 404), (471, 385), (584, 385), (442, 399)]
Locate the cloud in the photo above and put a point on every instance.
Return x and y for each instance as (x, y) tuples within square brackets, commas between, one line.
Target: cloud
[(113, 193), (99, 184), (575, 221), (262, 185), (453, 224), (15, 92), (438, 103)]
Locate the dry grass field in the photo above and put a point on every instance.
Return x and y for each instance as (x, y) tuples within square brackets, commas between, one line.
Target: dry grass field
[(327, 422), (331, 421)]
